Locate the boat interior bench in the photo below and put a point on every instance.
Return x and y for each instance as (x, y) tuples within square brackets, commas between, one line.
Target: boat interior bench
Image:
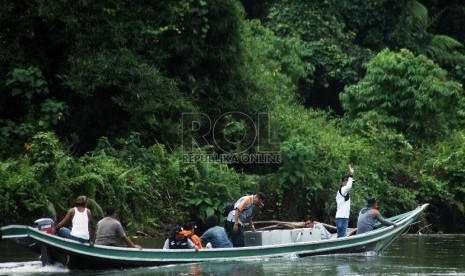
[(281, 236)]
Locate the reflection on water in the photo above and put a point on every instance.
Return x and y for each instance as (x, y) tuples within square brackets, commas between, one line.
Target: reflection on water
[(410, 255)]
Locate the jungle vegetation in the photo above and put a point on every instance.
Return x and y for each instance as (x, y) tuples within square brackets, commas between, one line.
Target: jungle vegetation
[(130, 102)]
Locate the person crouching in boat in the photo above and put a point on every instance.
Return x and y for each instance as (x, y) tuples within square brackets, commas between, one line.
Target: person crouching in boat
[(177, 240), (189, 231), (311, 223), (369, 215), (216, 235), (80, 218)]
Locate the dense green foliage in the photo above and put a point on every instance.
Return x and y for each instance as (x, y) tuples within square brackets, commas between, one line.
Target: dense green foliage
[(405, 93), (106, 99), (327, 49), (149, 188)]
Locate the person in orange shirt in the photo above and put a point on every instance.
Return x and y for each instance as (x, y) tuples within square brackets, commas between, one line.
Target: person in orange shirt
[(189, 231)]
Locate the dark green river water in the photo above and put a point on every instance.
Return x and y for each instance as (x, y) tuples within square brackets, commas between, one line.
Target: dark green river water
[(409, 255)]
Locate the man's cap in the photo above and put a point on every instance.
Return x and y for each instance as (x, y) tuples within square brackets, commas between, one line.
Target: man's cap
[(190, 225), (371, 201), (261, 196), (177, 229)]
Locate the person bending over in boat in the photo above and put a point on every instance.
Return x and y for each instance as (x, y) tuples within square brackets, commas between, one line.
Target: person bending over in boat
[(310, 223), (178, 241), (243, 210), (80, 218), (108, 229), (189, 231), (216, 235), (368, 215)]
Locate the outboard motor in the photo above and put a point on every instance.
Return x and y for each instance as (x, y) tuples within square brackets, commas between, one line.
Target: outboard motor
[(46, 225)]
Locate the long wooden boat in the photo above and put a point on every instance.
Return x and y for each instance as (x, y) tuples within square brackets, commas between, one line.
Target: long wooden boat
[(85, 256)]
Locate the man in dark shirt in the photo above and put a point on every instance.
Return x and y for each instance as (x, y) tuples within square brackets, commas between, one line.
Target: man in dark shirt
[(369, 215)]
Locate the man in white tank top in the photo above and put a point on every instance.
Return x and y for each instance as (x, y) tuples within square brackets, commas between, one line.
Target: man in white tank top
[(80, 217)]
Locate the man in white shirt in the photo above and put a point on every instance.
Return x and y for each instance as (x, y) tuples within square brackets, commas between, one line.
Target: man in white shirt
[(80, 217), (343, 203)]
